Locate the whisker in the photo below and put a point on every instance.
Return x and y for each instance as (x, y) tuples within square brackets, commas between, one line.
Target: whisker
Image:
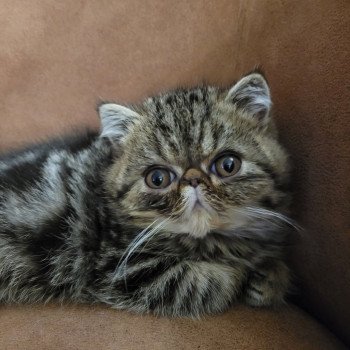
[(133, 242), (144, 236), (181, 209), (253, 215), (269, 214)]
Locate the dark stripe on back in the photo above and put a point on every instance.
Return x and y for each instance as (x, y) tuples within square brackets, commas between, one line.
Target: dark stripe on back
[(22, 176)]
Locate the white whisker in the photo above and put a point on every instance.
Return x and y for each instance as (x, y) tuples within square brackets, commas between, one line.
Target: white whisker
[(269, 214), (144, 236)]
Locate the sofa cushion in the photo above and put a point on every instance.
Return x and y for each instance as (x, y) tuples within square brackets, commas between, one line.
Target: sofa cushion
[(96, 327), (58, 58)]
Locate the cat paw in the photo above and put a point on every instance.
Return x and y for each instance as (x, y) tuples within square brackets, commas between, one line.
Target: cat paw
[(267, 287)]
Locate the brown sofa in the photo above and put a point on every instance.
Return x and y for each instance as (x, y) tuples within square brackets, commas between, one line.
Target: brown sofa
[(58, 58)]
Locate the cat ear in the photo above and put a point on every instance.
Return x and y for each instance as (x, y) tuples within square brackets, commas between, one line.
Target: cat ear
[(251, 95), (115, 120)]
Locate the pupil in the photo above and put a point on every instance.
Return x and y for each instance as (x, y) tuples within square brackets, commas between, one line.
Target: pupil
[(228, 164), (157, 178)]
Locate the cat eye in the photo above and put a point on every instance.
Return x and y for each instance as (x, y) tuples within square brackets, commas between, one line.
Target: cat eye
[(226, 165), (159, 178)]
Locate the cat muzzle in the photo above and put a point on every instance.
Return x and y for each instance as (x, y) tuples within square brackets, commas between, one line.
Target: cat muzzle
[(193, 177)]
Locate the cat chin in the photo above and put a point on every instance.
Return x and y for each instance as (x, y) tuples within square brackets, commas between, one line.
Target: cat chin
[(201, 222), (197, 224)]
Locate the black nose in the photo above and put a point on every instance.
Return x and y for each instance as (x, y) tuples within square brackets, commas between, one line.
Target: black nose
[(194, 182), (193, 177)]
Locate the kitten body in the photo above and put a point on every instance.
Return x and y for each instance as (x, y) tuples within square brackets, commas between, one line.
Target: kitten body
[(78, 221)]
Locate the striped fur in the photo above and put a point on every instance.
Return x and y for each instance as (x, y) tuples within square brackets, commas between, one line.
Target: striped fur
[(78, 222)]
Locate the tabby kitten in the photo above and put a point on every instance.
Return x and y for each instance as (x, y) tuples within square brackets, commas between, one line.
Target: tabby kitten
[(175, 207)]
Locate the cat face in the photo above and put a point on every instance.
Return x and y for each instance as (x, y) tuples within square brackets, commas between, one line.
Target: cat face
[(195, 160)]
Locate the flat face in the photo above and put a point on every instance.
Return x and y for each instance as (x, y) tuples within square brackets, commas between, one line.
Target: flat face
[(193, 162)]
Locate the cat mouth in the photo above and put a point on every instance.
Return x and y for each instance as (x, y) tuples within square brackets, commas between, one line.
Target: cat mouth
[(198, 205), (198, 202)]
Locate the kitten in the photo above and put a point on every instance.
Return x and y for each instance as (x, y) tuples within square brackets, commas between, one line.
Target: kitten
[(175, 207)]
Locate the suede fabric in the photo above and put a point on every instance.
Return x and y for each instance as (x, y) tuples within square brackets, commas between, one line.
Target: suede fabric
[(91, 327), (59, 58)]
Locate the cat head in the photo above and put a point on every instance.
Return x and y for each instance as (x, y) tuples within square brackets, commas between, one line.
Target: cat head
[(196, 160)]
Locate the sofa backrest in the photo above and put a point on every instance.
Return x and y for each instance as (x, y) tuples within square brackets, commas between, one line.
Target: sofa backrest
[(58, 58)]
